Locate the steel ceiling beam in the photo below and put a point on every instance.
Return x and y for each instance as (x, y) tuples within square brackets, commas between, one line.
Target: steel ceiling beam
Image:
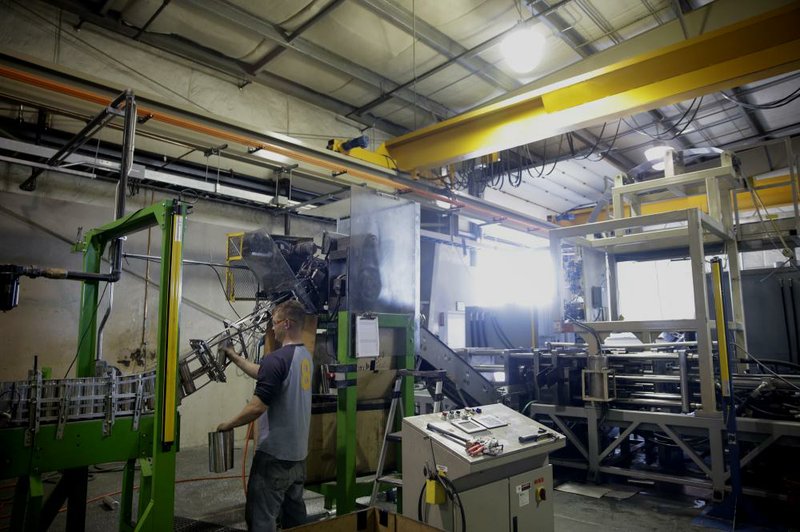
[(23, 75), (567, 34), (755, 48), (482, 47), (153, 17), (429, 35), (267, 30), (290, 36), (238, 69), (749, 114), (324, 12), (715, 107), (584, 48), (230, 67)]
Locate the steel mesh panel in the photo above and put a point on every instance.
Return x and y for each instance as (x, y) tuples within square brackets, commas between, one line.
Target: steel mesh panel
[(240, 283)]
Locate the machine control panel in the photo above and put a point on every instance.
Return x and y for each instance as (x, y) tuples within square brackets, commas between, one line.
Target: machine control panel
[(496, 457), (481, 433)]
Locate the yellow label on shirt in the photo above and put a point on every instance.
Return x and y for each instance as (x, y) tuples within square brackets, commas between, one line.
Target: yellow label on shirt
[(305, 374)]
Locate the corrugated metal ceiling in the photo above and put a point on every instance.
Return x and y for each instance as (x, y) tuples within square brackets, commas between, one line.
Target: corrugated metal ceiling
[(366, 55)]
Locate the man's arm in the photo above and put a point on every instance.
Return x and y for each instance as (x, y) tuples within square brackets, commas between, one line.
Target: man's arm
[(249, 413), (250, 368)]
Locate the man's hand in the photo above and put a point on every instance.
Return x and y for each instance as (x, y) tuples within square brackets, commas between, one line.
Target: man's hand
[(250, 368), (229, 351), (249, 413)]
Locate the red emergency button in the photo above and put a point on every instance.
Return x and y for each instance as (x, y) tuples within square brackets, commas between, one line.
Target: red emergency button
[(541, 494)]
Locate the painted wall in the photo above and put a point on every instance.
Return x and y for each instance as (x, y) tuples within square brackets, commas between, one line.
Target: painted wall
[(36, 228)]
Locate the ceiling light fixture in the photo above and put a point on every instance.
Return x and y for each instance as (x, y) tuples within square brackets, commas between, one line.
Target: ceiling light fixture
[(523, 49), (657, 153)]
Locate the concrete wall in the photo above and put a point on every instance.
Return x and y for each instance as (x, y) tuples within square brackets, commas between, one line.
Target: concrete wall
[(34, 228)]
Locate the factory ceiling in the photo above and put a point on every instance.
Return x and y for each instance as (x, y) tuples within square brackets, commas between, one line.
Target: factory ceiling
[(398, 65)]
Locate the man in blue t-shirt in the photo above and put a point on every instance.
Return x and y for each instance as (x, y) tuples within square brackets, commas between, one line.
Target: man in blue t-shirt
[(282, 399)]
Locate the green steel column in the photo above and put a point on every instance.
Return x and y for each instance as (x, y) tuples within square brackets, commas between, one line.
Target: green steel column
[(87, 328), (85, 367), (345, 423), (409, 363), (27, 508), (157, 514), (126, 497), (76, 502), (145, 491)]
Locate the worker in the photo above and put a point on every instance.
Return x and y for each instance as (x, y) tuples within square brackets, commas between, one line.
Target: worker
[(282, 401)]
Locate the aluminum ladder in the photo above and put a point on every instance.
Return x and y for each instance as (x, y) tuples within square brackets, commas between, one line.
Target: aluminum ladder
[(437, 376)]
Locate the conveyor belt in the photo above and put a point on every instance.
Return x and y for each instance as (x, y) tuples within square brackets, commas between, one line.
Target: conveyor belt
[(36, 401), (463, 383)]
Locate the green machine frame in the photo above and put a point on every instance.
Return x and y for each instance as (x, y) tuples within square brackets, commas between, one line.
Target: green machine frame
[(152, 447), (347, 488)]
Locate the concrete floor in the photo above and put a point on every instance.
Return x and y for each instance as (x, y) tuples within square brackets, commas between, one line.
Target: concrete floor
[(221, 501)]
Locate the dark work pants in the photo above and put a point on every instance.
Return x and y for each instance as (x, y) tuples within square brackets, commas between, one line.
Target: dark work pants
[(275, 489)]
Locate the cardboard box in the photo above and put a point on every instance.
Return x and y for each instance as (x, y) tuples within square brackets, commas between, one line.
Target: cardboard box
[(321, 461), (369, 520)]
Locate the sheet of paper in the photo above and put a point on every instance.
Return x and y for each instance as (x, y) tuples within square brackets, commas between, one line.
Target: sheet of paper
[(367, 337), (524, 498)]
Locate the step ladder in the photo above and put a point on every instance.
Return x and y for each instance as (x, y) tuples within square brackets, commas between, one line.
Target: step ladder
[(394, 479)]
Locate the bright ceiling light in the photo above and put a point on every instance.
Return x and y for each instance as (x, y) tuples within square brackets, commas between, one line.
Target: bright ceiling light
[(523, 49), (657, 153)]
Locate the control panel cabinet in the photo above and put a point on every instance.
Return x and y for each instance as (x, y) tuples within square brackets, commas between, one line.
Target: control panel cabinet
[(494, 463)]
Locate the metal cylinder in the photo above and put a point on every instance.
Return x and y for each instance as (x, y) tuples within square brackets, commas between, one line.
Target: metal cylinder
[(187, 380), (647, 378), (598, 386), (684, 373), (220, 451)]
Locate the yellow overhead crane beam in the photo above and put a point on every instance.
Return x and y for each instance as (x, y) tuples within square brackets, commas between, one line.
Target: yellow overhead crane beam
[(756, 48), (773, 192)]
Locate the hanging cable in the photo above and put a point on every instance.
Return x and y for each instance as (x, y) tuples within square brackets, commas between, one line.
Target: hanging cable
[(603, 155), (775, 104), (555, 159), (691, 110), (674, 126), (787, 251), (596, 144)]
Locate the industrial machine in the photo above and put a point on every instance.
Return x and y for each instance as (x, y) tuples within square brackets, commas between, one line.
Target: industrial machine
[(361, 283), (362, 280), (481, 468), (677, 401), (99, 416)]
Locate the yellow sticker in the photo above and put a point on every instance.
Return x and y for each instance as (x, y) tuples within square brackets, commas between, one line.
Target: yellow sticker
[(305, 374)]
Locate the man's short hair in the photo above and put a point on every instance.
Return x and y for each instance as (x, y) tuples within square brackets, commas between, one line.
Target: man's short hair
[(291, 310)]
